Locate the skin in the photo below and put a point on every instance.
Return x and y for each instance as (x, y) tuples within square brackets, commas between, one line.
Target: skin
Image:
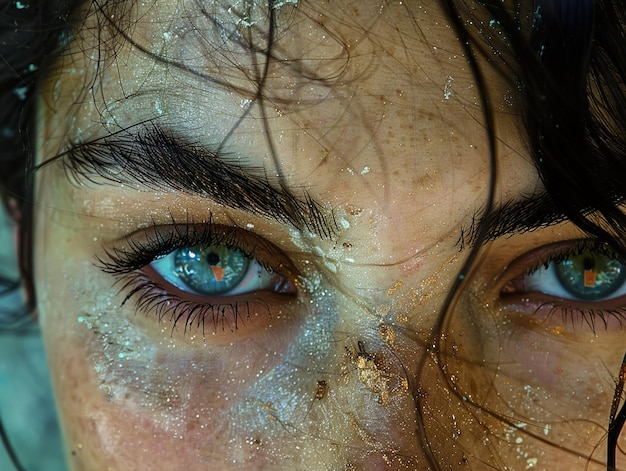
[(392, 142)]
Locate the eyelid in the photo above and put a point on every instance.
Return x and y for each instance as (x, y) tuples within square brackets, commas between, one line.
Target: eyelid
[(140, 248)]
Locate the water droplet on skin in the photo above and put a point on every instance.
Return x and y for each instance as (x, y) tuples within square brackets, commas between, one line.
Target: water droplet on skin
[(447, 88)]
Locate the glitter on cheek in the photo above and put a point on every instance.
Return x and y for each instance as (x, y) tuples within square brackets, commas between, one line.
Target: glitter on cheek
[(179, 390), (123, 358), (256, 394), (282, 387), (139, 368), (207, 390)]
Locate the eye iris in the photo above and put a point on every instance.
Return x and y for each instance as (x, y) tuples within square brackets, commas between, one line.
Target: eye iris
[(211, 270), (591, 276)]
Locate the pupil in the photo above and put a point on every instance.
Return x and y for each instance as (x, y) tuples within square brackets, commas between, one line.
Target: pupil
[(588, 263), (213, 258)]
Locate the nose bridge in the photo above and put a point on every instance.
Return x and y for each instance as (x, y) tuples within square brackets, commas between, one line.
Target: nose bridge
[(431, 378), (376, 384), (378, 410), (396, 395)]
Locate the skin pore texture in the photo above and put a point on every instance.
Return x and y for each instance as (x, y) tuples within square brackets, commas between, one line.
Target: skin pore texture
[(371, 111)]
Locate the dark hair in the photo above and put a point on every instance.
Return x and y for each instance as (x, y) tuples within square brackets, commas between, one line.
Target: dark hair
[(567, 59), (30, 34), (570, 70)]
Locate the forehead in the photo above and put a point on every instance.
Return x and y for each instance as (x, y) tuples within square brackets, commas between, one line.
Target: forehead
[(363, 104), (317, 58)]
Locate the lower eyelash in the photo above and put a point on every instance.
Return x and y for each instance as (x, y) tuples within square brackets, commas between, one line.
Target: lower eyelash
[(151, 298), (592, 318)]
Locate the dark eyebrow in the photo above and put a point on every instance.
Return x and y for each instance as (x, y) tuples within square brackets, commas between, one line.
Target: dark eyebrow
[(528, 213), (153, 159)]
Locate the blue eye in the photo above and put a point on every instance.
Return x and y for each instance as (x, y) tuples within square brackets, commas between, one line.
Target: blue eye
[(216, 270), (587, 276)]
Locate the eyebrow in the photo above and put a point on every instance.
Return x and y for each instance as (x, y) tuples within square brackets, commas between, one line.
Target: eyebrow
[(156, 160), (528, 213)]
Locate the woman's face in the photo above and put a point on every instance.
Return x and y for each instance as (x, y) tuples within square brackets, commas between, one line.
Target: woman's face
[(244, 266)]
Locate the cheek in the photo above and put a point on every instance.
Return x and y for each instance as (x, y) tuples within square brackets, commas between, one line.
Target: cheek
[(199, 410), (132, 390), (544, 391)]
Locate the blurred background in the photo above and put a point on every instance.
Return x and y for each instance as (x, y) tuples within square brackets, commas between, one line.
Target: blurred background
[(26, 404)]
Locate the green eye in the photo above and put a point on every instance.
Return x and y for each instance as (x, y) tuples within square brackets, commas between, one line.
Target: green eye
[(590, 276)]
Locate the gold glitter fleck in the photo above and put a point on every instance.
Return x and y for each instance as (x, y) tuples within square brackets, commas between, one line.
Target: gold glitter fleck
[(394, 289), (558, 330), (387, 333), (322, 389), (371, 376)]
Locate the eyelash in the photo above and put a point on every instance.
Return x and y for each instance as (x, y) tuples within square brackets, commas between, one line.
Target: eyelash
[(586, 315), (129, 266)]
